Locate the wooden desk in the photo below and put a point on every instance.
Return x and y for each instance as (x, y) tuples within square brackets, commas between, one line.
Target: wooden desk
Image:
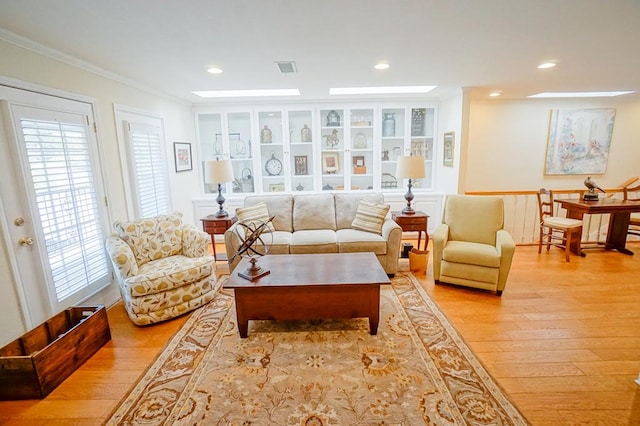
[(620, 212), (413, 222), (217, 225)]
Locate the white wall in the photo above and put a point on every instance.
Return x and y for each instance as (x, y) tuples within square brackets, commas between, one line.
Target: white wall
[(26, 66), (508, 140), (449, 120)]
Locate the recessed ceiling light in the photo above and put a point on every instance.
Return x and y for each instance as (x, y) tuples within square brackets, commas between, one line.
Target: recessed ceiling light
[(379, 90), (495, 94), (546, 65), (580, 94), (214, 70), (246, 93), (381, 66)]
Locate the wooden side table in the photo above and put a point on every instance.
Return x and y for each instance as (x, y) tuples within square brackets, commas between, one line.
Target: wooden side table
[(217, 225), (413, 223)]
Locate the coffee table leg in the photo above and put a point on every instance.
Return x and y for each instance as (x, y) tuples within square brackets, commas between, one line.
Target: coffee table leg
[(243, 327), (374, 309), (373, 325), (241, 317)]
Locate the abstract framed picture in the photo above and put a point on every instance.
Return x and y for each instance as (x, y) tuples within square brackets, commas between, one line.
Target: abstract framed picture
[(182, 153), (579, 141)]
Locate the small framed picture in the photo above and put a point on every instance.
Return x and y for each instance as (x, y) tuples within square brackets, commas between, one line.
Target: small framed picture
[(449, 145), (182, 153), (330, 162), (358, 161), (276, 187), (300, 165)]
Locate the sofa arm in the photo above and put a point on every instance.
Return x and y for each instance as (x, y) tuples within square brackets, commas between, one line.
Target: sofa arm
[(122, 257), (231, 243), (439, 240), (194, 241), (506, 249)]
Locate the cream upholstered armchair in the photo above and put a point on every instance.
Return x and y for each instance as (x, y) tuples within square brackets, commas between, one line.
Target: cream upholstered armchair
[(162, 266), (470, 247)]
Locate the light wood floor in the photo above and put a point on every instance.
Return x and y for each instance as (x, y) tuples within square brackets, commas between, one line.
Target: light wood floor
[(563, 341)]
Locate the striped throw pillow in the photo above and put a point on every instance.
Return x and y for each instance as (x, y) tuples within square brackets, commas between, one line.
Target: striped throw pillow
[(370, 217), (255, 215)]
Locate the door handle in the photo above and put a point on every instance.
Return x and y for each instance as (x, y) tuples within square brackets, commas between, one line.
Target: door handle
[(25, 241)]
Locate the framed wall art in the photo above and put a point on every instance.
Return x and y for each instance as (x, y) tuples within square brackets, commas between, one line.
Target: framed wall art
[(579, 141), (330, 162), (448, 149), (182, 154)]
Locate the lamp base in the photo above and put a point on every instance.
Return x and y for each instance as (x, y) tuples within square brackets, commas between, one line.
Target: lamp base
[(408, 210), (221, 213)]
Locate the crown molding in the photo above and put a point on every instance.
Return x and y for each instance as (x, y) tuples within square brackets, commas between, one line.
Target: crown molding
[(59, 56)]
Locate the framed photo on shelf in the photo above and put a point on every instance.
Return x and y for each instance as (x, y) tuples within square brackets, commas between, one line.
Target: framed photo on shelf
[(300, 165), (182, 153), (276, 187), (330, 162), (449, 144), (358, 165)]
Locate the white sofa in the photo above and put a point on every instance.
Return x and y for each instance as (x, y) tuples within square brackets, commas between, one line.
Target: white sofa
[(322, 223)]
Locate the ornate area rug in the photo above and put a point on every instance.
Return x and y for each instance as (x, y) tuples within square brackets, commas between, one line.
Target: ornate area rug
[(416, 370)]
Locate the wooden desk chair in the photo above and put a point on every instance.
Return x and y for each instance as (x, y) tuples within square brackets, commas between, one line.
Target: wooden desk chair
[(632, 193), (556, 230)]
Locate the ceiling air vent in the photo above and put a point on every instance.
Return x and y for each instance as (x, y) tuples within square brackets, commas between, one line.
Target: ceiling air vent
[(287, 67)]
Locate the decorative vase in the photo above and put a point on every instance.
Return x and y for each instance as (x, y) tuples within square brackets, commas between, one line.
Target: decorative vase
[(265, 135), (305, 134), (389, 124)]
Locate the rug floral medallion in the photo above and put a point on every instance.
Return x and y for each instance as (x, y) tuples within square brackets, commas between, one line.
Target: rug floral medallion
[(416, 370)]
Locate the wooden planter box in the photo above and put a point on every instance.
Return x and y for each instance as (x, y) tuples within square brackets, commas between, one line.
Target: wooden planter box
[(36, 363)]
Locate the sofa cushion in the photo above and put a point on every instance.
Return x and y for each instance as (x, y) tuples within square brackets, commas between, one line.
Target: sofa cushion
[(313, 241), (347, 205), (152, 238), (355, 241), (254, 216), (280, 206), (370, 216), (314, 211)]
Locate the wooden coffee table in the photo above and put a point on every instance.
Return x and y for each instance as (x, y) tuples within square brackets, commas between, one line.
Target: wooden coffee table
[(310, 287)]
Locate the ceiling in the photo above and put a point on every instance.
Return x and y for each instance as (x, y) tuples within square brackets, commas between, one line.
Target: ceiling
[(487, 45)]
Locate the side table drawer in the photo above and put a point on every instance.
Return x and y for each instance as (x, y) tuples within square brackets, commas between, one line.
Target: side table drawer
[(414, 226)]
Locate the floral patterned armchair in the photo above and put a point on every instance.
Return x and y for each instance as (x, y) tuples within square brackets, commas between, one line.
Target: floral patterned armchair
[(162, 266)]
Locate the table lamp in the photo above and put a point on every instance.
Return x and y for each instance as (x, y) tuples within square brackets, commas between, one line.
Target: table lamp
[(218, 172), (412, 168)]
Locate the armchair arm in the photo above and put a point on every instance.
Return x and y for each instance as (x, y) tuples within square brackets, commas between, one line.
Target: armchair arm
[(122, 257), (439, 240), (231, 243), (506, 248), (194, 241)]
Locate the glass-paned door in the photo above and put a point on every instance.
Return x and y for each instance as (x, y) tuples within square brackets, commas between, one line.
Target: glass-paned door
[(62, 180)]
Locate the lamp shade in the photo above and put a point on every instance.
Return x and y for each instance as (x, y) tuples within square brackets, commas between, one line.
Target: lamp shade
[(410, 167), (218, 171)]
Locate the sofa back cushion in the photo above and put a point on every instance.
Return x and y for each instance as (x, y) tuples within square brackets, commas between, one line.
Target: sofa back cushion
[(153, 238), (280, 206), (347, 205), (473, 218), (314, 211)]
